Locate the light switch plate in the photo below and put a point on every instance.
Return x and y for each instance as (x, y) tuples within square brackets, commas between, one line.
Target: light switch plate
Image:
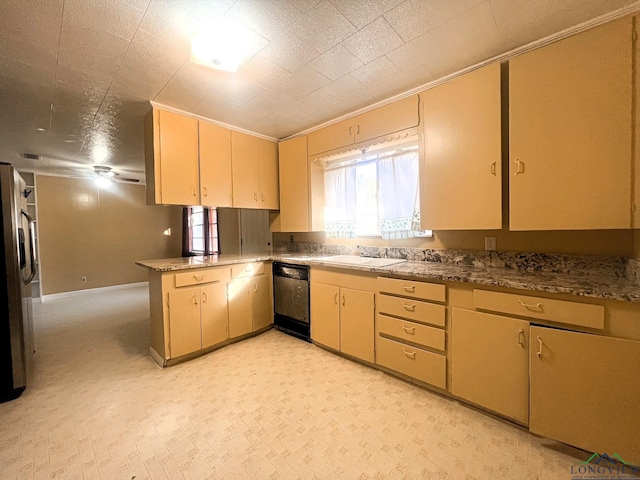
[(490, 244)]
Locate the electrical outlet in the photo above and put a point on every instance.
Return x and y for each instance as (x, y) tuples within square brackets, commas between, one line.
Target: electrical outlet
[(290, 238), (84, 279), (490, 244)]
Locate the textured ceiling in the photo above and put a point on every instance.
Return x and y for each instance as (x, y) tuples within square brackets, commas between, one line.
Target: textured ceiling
[(84, 71)]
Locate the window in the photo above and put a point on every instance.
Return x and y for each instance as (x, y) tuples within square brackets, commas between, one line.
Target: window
[(374, 194), (200, 231)]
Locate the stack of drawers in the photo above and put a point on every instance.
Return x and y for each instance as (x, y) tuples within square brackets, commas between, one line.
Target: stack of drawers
[(410, 335)]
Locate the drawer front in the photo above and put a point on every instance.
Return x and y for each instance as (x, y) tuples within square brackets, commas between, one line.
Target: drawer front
[(410, 288), (425, 366), (247, 269), (411, 332), (416, 310), (196, 277), (560, 311)]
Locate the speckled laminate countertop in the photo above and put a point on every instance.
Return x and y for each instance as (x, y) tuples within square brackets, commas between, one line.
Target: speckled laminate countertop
[(598, 286)]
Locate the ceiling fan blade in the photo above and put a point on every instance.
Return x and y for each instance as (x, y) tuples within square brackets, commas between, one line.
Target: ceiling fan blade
[(124, 179)]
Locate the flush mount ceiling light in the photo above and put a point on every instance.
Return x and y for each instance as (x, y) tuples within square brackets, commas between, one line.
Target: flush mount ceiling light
[(225, 45)]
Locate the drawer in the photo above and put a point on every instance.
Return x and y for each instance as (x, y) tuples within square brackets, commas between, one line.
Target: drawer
[(411, 332), (416, 310), (425, 366), (560, 311), (196, 277), (410, 288), (247, 269)]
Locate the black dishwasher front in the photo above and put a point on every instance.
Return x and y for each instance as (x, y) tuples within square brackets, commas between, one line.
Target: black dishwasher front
[(291, 299)]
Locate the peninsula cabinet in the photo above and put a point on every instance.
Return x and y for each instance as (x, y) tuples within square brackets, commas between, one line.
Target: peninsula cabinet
[(461, 183), (584, 391), (500, 381), (342, 318), (171, 158), (249, 295), (254, 172), (390, 118), (301, 188), (570, 117)]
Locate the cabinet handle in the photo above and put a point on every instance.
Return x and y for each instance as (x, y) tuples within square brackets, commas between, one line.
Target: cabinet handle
[(262, 196), (198, 277), (409, 330), (195, 300), (255, 197), (349, 130), (335, 298), (519, 167), (357, 129), (193, 191), (204, 297), (205, 192), (539, 353), (493, 168), (411, 355), (255, 287), (528, 306), (410, 308), (521, 338), (409, 288), (343, 300)]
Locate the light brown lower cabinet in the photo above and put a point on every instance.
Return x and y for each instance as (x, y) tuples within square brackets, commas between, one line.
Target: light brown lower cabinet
[(343, 319), (585, 391), (490, 362), (249, 305), (197, 318)]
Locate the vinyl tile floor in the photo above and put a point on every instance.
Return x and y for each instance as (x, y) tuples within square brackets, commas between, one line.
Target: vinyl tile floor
[(271, 407)]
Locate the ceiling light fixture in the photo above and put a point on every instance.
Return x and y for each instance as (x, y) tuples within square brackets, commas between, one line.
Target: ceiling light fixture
[(41, 129), (226, 46), (103, 181)]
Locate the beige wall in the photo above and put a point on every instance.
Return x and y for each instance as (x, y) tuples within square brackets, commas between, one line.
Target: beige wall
[(590, 242), (97, 233)]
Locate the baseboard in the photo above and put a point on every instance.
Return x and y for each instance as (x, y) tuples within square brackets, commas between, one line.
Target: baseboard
[(55, 296), (157, 358)]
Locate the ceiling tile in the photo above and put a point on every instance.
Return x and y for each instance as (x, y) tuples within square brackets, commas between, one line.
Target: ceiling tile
[(317, 101), (289, 52), (323, 27), (304, 81), (41, 56), (481, 40), (380, 70), (335, 62), (106, 15), (262, 71), (269, 19), (26, 71), (344, 87), (423, 51), (238, 87), (415, 17), (36, 21), (373, 41), (363, 12), (26, 106)]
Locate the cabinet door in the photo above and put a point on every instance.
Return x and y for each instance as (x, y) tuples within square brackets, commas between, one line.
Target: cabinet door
[(334, 136), (261, 307), (584, 391), (239, 299), (490, 362), (294, 185), (388, 119), (244, 170), (215, 317), (268, 174), (325, 315), (461, 175), (215, 165), (570, 132), (179, 174), (184, 322), (357, 324)]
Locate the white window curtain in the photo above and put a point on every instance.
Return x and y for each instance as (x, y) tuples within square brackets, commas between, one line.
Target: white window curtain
[(398, 195), (340, 202)]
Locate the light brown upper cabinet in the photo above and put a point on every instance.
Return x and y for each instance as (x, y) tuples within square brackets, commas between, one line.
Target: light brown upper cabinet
[(461, 186), (384, 120), (570, 132), (215, 165), (171, 158), (254, 164), (301, 188)]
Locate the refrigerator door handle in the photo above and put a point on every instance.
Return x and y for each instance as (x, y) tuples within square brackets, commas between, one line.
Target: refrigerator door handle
[(32, 248)]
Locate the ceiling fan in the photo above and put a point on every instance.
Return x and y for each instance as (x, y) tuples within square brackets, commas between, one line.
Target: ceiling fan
[(105, 175)]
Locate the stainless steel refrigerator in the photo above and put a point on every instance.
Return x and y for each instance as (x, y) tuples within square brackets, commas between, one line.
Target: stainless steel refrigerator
[(18, 262)]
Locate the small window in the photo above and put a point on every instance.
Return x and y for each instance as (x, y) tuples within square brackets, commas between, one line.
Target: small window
[(200, 231), (374, 194)]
